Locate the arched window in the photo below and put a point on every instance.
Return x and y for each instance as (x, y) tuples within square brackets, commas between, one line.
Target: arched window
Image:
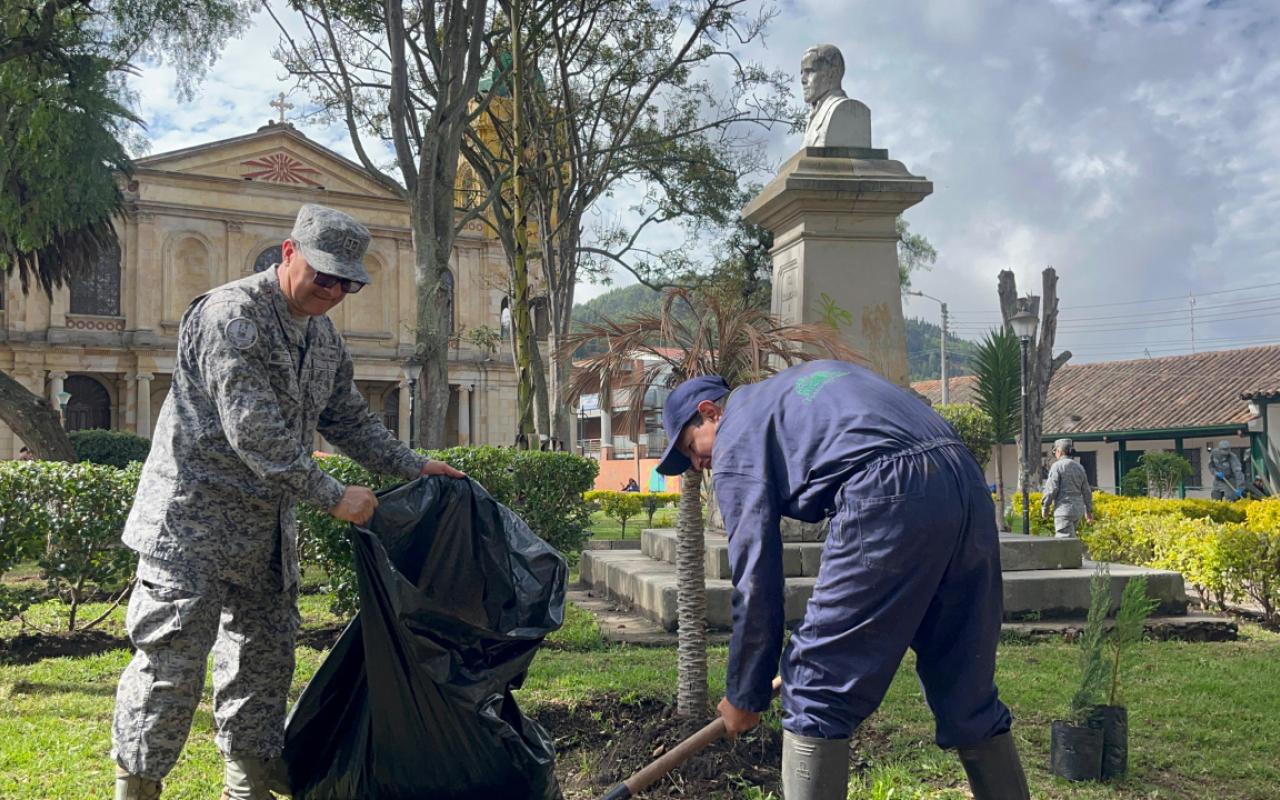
[(267, 258), (90, 404), (99, 293), (446, 286), (391, 410)]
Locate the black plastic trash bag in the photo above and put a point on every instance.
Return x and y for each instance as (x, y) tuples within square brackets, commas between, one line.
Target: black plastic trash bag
[(414, 702)]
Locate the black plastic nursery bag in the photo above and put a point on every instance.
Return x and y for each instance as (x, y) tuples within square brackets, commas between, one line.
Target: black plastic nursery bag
[(414, 702)]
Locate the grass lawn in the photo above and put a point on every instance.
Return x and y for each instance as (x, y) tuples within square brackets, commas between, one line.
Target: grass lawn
[(1204, 718), (602, 527)]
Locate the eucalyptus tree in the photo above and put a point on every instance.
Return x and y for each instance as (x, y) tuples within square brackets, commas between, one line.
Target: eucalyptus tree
[(696, 333), (655, 102), (403, 74)]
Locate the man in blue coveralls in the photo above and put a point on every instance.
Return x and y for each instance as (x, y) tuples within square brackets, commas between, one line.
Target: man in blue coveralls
[(911, 559)]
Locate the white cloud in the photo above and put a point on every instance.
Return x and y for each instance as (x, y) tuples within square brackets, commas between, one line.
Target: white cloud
[(1134, 146)]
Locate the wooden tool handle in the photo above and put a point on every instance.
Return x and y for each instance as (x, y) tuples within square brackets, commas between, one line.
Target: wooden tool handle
[(709, 734)]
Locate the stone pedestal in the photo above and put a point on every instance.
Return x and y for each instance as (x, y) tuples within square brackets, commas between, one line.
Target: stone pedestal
[(833, 214)]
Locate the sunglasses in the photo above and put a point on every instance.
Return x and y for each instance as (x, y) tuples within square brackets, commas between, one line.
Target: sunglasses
[(327, 281)]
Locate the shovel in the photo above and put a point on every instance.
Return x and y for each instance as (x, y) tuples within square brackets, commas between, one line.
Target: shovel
[(708, 735)]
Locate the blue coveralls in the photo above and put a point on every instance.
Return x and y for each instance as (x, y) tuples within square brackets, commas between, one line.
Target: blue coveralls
[(911, 559)]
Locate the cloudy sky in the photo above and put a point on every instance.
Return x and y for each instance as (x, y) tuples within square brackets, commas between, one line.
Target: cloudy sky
[(1133, 146)]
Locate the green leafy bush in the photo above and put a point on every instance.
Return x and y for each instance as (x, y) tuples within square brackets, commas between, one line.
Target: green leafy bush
[(70, 517), (1164, 471), (617, 506), (1221, 560), (974, 427), (1040, 526), (655, 500), (544, 488), (19, 542), (113, 448)]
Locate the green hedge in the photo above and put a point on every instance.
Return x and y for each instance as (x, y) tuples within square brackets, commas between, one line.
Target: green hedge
[(113, 448), (69, 519), (544, 488)]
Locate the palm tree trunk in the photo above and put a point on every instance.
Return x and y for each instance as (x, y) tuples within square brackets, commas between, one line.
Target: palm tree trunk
[(691, 601), (1000, 521)]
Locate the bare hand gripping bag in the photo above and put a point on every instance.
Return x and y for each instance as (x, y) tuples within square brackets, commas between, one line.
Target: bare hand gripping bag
[(415, 699)]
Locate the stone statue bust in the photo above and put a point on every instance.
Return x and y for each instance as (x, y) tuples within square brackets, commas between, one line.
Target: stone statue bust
[(835, 119)]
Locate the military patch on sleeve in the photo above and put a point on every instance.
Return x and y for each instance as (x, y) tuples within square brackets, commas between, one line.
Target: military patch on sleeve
[(241, 332)]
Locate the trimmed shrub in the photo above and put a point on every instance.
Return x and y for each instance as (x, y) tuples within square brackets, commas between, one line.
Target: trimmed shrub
[(113, 448), (19, 540), (652, 501), (70, 518), (617, 506), (544, 488), (1264, 515), (1040, 526), (974, 427), (1222, 560)]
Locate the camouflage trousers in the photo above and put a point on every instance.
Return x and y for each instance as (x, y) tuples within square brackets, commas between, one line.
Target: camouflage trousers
[(1064, 524), (174, 621)]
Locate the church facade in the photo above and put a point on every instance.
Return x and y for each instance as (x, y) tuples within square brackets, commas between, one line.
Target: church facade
[(201, 216)]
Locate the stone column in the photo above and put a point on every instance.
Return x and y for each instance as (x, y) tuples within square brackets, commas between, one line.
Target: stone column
[(142, 425), (402, 411), (464, 414), (832, 211), (55, 387), (606, 426)]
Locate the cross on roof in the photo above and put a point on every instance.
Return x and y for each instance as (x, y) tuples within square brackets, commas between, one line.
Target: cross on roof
[(281, 104)]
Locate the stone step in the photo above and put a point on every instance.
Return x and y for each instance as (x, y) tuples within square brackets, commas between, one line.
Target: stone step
[(624, 626), (649, 586), (1018, 553)]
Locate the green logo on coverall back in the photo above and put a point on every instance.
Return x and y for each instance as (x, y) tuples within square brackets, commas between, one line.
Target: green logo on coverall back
[(809, 387)]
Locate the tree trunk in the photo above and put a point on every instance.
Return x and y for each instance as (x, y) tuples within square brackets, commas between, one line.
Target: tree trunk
[(691, 601), (1001, 523), (559, 381), (433, 336), (33, 420), (1041, 369), (541, 404)]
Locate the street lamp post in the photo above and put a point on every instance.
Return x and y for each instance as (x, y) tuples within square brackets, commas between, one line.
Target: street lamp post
[(946, 394), (412, 369), (1023, 322), (63, 397)]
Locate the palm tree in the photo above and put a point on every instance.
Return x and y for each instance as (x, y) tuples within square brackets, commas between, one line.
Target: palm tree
[(997, 385), (696, 333)]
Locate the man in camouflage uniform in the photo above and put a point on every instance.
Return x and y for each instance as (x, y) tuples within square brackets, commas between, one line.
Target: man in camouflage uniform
[(259, 370), (1228, 477), (1067, 491)]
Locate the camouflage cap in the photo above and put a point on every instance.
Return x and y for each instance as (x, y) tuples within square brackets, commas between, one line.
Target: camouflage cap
[(332, 242), (1062, 444)]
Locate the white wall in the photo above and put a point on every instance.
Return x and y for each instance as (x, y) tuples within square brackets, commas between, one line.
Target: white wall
[(1106, 457)]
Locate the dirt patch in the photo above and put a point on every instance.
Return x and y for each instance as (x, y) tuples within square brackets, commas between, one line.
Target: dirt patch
[(321, 638), (606, 741), (30, 648)]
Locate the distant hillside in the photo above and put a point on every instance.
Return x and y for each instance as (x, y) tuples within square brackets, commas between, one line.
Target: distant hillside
[(923, 356), (618, 304), (922, 337)]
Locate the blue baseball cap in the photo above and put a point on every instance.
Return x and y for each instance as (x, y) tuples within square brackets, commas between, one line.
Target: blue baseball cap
[(679, 410)]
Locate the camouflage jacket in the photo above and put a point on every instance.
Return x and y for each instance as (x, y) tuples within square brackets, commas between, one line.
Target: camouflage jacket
[(231, 452), (1067, 490)]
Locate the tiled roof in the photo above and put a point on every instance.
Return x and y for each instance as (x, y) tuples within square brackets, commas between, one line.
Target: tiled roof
[(1191, 391)]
